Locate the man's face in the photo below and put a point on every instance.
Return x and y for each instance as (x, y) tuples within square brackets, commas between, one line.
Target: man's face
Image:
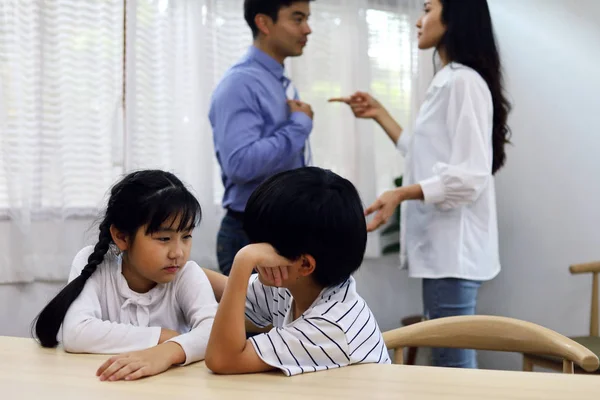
[(289, 34)]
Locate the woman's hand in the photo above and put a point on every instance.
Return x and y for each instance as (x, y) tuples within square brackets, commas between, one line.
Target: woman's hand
[(363, 105), (384, 206), (137, 364), (387, 203)]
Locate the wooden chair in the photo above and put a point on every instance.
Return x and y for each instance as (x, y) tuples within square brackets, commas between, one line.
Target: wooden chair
[(592, 342), (411, 359), (482, 332)]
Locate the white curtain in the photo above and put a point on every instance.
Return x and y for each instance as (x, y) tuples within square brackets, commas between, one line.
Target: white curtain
[(167, 93), (176, 52), (182, 49), (60, 128), (367, 45)]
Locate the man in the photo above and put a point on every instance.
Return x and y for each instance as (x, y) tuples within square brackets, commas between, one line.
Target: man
[(260, 127)]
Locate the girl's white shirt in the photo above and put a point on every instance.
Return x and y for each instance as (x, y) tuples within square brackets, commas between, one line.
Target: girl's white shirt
[(109, 317)]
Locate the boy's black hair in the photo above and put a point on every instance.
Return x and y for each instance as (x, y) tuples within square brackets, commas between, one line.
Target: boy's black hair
[(143, 198), (310, 211), (267, 7)]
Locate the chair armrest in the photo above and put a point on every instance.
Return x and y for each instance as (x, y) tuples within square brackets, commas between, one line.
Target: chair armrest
[(585, 268)]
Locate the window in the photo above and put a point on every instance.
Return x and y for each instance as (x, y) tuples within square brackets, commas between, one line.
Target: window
[(90, 89), (69, 125), (391, 54), (352, 48), (61, 101)]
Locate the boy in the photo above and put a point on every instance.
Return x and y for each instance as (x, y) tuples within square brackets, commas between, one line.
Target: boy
[(308, 235)]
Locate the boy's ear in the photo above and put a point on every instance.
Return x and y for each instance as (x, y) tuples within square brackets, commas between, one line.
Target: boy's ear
[(307, 265), (120, 238)]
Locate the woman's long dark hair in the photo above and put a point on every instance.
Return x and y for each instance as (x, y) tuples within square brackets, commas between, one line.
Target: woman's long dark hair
[(143, 198), (469, 40)]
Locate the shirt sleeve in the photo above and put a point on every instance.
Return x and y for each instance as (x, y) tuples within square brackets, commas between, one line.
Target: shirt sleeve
[(245, 154), (197, 301), (258, 300), (307, 345), (84, 331), (469, 171), (403, 142)]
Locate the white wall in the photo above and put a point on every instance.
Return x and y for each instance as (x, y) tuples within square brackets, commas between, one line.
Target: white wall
[(549, 192), (20, 303)]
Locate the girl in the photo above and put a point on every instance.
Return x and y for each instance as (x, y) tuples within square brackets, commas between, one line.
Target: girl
[(135, 292), (449, 232)]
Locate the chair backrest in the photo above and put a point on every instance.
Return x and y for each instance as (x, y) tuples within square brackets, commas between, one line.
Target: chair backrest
[(594, 269), (482, 332)]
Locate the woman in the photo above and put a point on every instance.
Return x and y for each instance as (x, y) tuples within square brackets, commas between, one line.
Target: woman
[(449, 231)]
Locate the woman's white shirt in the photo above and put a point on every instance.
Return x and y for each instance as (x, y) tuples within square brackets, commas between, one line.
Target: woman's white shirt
[(453, 233), (109, 317)]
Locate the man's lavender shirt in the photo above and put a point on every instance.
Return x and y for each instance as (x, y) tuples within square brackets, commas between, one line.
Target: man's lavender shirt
[(254, 134)]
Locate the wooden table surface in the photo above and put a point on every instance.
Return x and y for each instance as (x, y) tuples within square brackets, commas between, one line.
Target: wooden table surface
[(30, 372)]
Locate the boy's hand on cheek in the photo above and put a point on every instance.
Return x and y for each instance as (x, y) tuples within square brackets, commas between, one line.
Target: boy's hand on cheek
[(272, 268), (273, 276)]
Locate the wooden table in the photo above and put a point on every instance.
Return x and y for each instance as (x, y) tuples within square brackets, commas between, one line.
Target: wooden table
[(29, 372)]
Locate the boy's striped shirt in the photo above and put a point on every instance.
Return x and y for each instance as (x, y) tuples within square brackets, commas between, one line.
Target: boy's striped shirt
[(337, 330)]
